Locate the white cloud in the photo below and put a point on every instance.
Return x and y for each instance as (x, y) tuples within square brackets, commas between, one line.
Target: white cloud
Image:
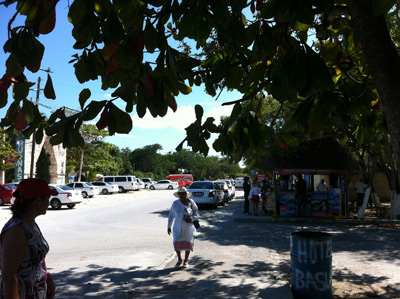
[(182, 118), (218, 112)]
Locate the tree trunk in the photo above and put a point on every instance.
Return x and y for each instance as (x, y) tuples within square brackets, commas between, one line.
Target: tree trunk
[(383, 62)]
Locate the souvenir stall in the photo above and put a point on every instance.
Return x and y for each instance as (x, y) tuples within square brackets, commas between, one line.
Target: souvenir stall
[(329, 203), (320, 161)]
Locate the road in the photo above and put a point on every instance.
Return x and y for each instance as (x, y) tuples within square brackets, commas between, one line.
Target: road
[(116, 246)]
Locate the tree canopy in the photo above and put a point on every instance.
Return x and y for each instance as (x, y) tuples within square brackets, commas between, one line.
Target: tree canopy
[(327, 60)]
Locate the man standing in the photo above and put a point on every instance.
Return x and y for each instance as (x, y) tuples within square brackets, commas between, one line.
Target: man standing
[(360, 186), (246, 189), (301, 196), (322, 187)]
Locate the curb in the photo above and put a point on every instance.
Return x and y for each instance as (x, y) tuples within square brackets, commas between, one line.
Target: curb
[(314, 220)]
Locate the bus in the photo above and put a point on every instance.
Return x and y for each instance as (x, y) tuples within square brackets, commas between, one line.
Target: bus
[(183, 180)]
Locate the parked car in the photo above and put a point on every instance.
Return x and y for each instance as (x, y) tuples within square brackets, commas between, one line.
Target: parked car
[(96, 188), (5, 194), (164, 184), (86, 189), (183, 180), (124, 182), (232, 189), (66, 196), (140, 183), (239, 182), (106, 188), (147, 182), (224, 187), (206, 192), (11, 186)]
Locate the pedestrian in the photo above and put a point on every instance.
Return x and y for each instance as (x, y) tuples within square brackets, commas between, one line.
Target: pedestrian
[(23, 248), (301, 196), (255, 196), (322, 187), (246, 189), (360, 187), (181, 216)]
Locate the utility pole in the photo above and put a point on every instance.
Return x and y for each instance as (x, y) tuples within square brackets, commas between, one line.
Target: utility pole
[(80, 166), (33, 134)]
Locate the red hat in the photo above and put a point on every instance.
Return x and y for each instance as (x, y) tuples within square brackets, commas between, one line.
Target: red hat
[(32, 188)]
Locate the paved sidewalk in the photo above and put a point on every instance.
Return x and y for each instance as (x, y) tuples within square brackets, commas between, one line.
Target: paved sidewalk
[(231, 260)]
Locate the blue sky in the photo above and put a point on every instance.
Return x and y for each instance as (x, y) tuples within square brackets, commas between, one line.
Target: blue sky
[(168, 131)]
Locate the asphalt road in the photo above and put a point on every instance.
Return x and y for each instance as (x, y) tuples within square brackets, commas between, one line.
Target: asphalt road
[(116, 246)]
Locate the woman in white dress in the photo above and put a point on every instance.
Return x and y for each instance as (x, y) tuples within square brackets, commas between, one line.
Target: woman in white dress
[(181, 216)]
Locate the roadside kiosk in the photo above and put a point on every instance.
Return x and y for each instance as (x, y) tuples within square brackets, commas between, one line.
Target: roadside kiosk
[(318, 159)]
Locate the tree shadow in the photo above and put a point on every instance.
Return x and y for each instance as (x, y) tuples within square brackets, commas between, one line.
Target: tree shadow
[(370, 243), (200, 280), (347, 284)]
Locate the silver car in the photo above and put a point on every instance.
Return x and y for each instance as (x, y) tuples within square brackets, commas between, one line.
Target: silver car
[(224, 187), (206, 192), (231, 187)]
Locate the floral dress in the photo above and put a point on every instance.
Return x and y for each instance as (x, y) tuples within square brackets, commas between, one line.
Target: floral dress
[(183, 232), (32, 274)]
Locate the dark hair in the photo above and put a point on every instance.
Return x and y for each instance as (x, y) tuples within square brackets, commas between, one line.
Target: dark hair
[(246, 178), (18, 208)]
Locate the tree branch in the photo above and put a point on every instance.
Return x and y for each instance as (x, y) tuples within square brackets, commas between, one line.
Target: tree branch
[(252, 94)]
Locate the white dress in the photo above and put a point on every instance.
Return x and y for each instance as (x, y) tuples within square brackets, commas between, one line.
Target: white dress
[(183, 232)]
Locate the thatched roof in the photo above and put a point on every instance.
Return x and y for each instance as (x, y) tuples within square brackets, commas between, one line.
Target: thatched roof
[(322, 153)]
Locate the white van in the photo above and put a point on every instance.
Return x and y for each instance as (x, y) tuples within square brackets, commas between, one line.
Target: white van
[(124, 182)]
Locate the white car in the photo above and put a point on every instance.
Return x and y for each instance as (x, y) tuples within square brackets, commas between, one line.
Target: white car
[(139, 183), (106, 188), (164, 184), (147, 182), (232, 190), (66, 197), (239, 182), (87, 189)]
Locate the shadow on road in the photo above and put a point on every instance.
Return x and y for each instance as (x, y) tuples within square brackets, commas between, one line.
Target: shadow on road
[(370, 244)]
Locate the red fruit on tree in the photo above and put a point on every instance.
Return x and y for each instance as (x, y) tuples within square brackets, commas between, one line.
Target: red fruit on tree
[(103, 122), (5, 83), (20, 122), (148, 87)]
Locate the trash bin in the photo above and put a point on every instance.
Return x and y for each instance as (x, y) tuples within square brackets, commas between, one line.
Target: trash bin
[(311, 264)]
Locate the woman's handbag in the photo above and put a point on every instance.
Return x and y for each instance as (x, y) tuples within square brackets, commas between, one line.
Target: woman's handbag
[(196, 224)]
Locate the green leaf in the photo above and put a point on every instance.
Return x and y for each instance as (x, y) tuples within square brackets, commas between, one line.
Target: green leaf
[(329, 51), (319, 72), (113, 30), (84, 95), (380, 7), (29, 110), (150, 37), (34, 60), (199, 112), (183, 88), (21, 90), (39, 135), (48, 89), (77, 11), (122, 120), (14, 68), (141, 102), (58, 138), (237, 109), (3, 99), (93, 109)]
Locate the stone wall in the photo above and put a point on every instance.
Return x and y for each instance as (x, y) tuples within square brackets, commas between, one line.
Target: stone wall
[(58, 159)]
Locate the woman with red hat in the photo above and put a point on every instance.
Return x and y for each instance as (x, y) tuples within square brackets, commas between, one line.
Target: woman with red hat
[(23, 247)]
